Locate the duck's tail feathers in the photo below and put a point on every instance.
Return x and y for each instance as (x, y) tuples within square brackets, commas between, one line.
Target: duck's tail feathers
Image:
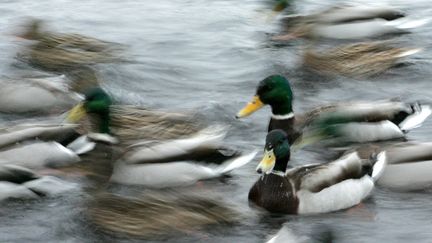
[(235, 163), (87, 143), (81, 145), (406, 24), (416, 119), (378, 167), (409, 52)]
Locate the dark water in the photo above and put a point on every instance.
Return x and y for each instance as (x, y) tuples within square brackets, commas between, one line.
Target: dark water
[(208, 56)]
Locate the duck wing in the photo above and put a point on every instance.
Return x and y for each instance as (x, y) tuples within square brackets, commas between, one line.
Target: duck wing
[(351, 13), (315, 178), (408, 153), (365, 122), (131, 123)]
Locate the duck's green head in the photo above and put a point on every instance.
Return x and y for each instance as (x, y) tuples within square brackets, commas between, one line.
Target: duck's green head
[(276, 152), (280, 5), (275, 91), (97, 101)]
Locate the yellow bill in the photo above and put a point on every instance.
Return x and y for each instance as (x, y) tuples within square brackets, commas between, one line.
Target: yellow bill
[(76, 113), (251, 107), (267, 163)]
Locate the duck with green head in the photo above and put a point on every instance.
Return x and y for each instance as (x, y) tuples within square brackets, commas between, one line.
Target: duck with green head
[(340, 122), (130, 123), (308, 189), (158, 145)]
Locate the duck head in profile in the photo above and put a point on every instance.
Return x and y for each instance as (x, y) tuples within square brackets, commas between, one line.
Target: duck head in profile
[(276, 153), (98, 102), (275, 91)]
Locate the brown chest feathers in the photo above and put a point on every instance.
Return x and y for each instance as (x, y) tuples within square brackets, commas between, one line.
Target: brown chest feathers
[(275, 194)]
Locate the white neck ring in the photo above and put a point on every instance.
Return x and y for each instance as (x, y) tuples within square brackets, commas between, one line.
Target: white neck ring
[(283, 117)]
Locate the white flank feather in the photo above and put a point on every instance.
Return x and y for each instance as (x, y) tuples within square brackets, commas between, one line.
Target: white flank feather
[(339, 196), (28, 131), (416, 119), (367, 132), (379, 166), (50, 186), (235, 163), (39, 155), (159, 175), (407, 176)]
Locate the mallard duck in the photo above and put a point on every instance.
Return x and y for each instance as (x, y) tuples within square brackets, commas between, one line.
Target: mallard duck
[(192, 160), (338, 123), (309, 189), (154, 143), (349, 22), (159, 214), (37, 146), (409, 164), (48, 96), (149, 215), (360, 59), (17, 182), (130, 123), (60, 52)]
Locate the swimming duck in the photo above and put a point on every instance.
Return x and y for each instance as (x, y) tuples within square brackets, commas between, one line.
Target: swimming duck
[(156, 145), (48, 96), (349, 22), (131, 124), (310, 189), (336, 123), (37, 146), (60, 52), (153, 214), (409, 164), (17, 182), (360, 59), (159, 214), (172, 163)]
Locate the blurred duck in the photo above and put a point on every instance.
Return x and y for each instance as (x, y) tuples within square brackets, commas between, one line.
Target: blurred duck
[(130, 123), (336, 123), (349, 22), (36, 96), (154, 145), (156, 214), (37, 146), (60, 52), (21, 183), (310, 189), (153, 214), (358, 60), (409, 165)]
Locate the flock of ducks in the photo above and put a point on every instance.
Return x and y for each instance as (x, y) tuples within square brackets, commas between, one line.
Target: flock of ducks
[(351, 22), (85, 133)]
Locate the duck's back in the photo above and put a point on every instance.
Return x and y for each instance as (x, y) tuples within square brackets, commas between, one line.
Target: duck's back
[(274, 193), (132, 123)]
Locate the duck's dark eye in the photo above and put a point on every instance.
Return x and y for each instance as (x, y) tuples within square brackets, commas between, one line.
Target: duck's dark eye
[(263, 88)]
